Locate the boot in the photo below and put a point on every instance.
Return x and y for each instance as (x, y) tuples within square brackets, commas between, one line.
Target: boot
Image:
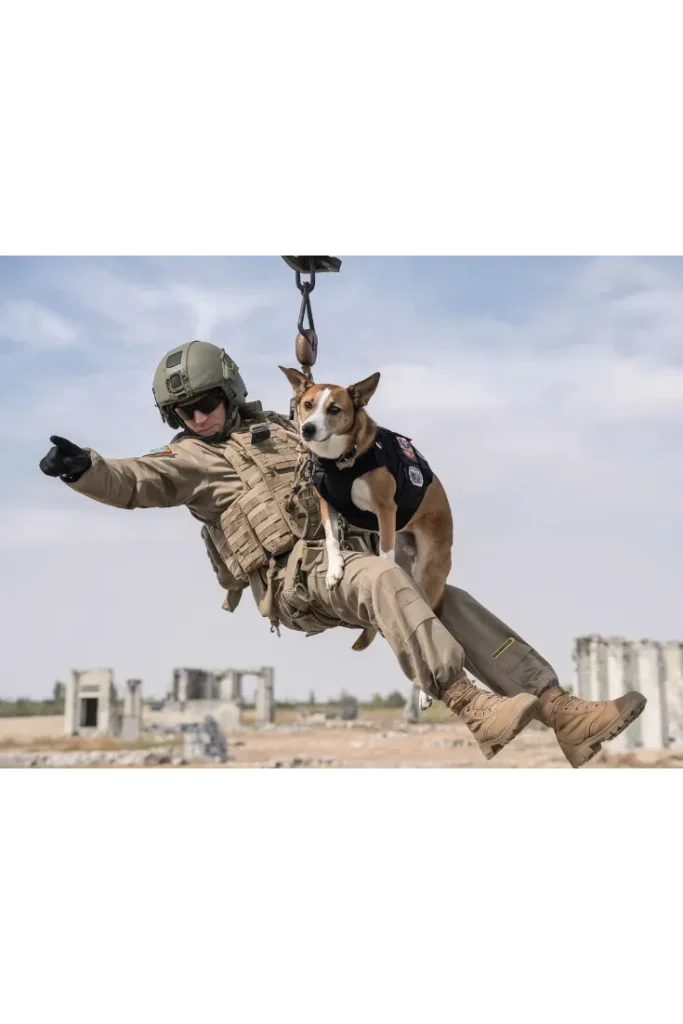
[(492, 720), (582, 726)]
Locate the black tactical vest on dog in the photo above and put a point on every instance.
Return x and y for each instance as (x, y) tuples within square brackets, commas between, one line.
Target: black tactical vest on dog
[(409, 469)]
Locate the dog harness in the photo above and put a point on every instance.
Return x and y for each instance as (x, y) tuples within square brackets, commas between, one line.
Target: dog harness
[(333, 479)]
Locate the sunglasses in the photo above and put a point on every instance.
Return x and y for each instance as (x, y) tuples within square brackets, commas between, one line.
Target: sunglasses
[(206, 404)]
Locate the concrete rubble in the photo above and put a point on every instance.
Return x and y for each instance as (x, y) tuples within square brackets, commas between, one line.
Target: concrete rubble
[(206, 742), (89, 758)]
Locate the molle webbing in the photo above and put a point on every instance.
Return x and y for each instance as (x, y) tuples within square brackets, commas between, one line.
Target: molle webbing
[(263, 521)]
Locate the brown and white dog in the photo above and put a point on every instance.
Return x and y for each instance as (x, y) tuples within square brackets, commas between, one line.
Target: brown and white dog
[(335, 426)]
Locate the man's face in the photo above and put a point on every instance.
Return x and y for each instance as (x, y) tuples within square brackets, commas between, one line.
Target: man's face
[(205, 416)]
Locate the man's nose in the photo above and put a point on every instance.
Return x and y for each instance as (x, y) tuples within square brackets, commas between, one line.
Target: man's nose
[(200, 417)]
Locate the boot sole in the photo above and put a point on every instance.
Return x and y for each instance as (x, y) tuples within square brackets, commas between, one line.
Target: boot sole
[(528, 706), (587, 751)]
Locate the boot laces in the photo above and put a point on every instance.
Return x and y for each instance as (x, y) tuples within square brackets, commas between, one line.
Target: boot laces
[(482, 701), (568, 702)]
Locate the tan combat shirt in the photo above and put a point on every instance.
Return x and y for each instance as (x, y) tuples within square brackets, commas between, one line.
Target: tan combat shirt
[(189, 471)]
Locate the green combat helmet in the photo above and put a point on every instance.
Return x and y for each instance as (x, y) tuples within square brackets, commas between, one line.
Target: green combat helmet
[(191, 370)]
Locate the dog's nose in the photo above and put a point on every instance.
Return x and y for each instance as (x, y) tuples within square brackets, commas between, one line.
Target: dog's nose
[(308, 431)]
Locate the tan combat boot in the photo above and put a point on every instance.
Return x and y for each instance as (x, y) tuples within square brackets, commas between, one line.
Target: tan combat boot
[(492, 720), (582, 726)]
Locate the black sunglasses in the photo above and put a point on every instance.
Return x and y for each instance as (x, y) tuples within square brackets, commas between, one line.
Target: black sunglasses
[(206, 404)]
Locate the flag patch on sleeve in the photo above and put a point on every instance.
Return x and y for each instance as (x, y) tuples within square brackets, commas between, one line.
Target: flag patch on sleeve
[(164, 450)]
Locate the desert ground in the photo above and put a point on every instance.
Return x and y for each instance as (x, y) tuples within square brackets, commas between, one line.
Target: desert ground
[(378, 738)]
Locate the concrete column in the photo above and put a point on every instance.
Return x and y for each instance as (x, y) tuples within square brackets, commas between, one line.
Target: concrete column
[(672, 654), (231, 686), (106, 711), (616, 672), (616, 667), (265, 703), (132, 710), (601, 657), (227, 685), (71, 704), (587, 667), (654, 732)]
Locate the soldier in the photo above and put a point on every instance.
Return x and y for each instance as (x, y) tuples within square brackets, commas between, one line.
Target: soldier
[(241, 473)]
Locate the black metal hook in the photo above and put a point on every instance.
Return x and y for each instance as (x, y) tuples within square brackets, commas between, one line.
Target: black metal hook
[(310, 285), (305, 309)]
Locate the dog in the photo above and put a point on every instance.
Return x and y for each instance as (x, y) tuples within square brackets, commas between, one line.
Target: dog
[(378, 481)]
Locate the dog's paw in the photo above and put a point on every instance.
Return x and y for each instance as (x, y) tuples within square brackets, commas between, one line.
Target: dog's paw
[(425, 701), (335, 571)]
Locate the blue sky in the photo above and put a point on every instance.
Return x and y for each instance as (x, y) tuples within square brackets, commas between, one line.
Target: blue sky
[(546, 392)]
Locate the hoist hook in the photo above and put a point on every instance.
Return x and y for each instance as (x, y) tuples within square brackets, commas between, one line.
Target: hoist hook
[(306, 343)]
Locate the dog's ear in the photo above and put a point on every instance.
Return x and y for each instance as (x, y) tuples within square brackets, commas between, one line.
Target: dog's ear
[(298, 380), (362, 392)]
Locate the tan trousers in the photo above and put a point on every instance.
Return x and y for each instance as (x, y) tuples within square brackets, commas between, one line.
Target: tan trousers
[(431, 651), (505, 667)]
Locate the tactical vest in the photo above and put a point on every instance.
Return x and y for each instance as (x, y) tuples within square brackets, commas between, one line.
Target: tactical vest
[(265, 520), (408, 467)]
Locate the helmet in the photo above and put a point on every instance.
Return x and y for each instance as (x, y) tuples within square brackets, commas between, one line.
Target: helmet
[(191, 370)]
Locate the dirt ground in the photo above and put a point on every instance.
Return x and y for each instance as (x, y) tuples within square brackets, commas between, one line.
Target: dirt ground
[(380, 740)]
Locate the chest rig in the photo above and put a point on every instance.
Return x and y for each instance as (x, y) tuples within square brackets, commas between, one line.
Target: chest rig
[(269, 516)]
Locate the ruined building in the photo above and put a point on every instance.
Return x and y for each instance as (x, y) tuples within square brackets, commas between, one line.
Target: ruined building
[(607, 666)]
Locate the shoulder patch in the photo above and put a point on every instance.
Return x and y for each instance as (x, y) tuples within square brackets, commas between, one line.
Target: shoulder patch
[(164, 450), (406, 446)]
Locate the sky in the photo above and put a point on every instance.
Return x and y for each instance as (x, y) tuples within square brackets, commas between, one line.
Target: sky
[(546, 393)]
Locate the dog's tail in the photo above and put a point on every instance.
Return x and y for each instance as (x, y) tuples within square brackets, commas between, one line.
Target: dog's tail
[(365, 639)]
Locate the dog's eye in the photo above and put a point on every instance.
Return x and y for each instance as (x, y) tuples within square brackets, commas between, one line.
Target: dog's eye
[(308, 405), (332, 409)]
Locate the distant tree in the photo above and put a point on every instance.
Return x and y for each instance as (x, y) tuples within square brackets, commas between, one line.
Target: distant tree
[(395, 700), (377, 700), (311, 697), (58, 692)]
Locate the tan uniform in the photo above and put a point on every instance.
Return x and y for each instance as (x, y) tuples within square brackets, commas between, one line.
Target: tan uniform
[(238, 490)]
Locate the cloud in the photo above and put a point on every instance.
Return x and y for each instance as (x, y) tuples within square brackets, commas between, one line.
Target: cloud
[(589, 384), (556, 422), (159, 315), (25, 322)]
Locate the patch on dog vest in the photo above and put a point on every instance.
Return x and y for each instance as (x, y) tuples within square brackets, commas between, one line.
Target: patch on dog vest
[(164, 450), (409, 469), (407, 448)]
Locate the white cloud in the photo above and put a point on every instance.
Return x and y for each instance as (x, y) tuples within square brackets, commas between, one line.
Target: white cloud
[(26, 322), (158, 316), (591, 384)]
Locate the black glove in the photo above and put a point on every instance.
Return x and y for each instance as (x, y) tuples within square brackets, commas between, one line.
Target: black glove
[(65, 460)]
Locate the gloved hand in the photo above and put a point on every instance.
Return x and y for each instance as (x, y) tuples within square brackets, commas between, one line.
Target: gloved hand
[(65, 460)]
